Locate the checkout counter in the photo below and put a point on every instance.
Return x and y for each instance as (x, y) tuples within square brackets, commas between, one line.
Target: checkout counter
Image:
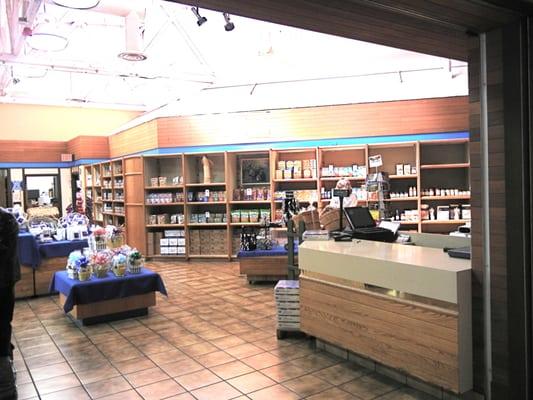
[(405, 306)]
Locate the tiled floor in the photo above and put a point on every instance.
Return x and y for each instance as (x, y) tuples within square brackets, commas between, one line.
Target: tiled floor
[(213, 338)]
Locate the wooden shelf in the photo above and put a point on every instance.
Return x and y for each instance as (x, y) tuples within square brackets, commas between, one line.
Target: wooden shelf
[(208, 224), (295, 180), (208, 256), (395, 199), (408, 222), (246, 224), (164, 204), (465, 197), (117, 201), (250, 201), (445, 166), (446, 222), (167, 187), (204, 203), (165, 226), (206, 184), (166, 256), (403, 176), (336, 178)]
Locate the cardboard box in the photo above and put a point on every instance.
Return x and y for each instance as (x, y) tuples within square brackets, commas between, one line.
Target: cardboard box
[(279, 174), (399, 169), (181, 241), (157, 242), (181, 250), (407, 169), (172, 250), (150, 250), (172, 241), (164, 250), (163, 242), (173, 233)]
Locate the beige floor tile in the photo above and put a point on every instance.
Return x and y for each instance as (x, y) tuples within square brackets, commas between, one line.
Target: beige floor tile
[(197, 379), (333, 394), (198, 349), (216, 358), (262, 360), (341, 373), (244, 350), (218, 391), (58, 383), (146, 377), (183, 396), (251, 382), (231, 370), (134, 365), (283, 372), (182, 367), (167, 356), (307, 385), (127, 395), (26, 391), (227, 342), (406, 393), (160, 390), (94, 375), (49, 371), (371, 386), (276, 392), (107, 387), (77, 393)]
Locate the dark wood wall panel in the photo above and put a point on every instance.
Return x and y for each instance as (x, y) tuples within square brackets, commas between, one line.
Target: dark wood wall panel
[(140, 138), (31, 151), (475, 182), (89, 147), (368, 119)]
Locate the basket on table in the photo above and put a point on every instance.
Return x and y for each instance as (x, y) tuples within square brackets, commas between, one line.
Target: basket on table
[(330, 219), (310, 219)]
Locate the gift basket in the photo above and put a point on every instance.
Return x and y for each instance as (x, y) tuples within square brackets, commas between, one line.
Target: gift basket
[(84, 268), (101, 263), (114, 236), (119, 264), (135, 261), (97, 240), (72, 270)]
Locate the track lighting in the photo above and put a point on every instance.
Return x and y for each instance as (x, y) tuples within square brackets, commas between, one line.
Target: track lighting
[(200, 19), (229, 25)]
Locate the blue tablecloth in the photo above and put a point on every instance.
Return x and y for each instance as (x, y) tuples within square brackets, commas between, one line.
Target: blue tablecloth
[(31, 252), (28, 250), (100, 289), (276, 251)]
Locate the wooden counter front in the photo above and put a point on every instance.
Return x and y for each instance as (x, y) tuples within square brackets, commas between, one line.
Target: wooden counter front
[(420, 323)]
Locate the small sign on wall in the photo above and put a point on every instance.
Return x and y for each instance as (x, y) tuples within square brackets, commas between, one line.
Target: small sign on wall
[(375, 161)]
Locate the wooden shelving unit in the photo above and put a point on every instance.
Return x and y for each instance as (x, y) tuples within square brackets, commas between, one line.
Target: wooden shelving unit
[(439, 164)]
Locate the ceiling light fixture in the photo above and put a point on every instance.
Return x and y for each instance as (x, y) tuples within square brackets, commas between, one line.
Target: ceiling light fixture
[(229, 25), (77, 4), (47, 41), (200, 20)]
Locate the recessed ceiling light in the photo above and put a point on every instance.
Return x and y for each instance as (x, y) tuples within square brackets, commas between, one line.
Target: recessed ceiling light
[(47, 41), (77, 4), (132, 56)]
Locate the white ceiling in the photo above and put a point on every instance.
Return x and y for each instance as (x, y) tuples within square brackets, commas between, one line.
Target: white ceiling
[(183, 58)]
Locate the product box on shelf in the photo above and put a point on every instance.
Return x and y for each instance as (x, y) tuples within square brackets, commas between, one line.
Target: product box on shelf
[(172, 241), (181, 241), (181, 250), (163, 242)]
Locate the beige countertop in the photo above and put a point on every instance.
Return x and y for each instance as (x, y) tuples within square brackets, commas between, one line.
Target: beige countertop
[(416, 270)]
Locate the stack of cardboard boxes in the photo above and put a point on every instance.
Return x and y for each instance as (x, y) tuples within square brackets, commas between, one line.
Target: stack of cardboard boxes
[(207, 241), (168, 242), (287, 294)]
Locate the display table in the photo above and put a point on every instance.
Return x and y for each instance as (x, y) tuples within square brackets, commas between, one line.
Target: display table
[(264, 265), (110, 298), (39, 261), (407, 307)]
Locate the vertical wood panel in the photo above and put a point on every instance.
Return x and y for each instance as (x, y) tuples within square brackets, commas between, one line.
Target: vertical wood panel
[(31, 151), (134, 140)]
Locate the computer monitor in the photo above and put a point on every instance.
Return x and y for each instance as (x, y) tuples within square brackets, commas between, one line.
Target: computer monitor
[(359, 217), (33, 194)]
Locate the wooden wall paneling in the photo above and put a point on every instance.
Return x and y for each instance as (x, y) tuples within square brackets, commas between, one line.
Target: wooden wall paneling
[(340, 121), (140, 138), (89, 147), (371, 325), (31, 151)]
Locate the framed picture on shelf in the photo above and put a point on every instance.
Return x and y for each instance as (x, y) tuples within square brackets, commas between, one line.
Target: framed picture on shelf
[(255, 171)]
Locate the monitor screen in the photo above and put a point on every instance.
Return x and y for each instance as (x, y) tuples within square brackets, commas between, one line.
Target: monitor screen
[(359, 217)]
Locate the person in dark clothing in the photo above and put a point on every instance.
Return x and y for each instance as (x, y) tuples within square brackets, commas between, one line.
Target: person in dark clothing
[(9, 276)]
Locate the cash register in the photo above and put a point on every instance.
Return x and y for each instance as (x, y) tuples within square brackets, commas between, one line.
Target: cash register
[(362, 226)]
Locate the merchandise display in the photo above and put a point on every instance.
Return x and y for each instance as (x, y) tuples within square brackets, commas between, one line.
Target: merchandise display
[(207, 217), (207, 196), (253, 216), (296, 169), (355, 171), (251, 194)]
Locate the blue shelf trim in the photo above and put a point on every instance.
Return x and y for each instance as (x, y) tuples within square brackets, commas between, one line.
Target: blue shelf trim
[(355, 141)]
